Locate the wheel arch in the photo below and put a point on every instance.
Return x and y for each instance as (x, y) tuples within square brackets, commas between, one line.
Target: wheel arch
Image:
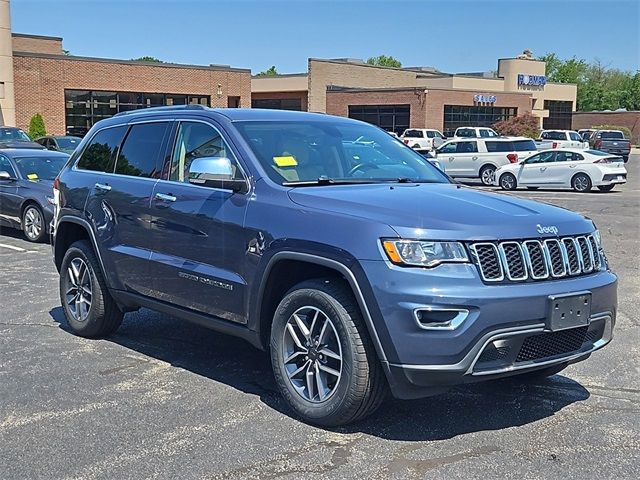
[(70, 230), (315, 266), (581, 172)]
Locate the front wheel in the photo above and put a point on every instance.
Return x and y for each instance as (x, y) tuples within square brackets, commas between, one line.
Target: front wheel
[(486, 174), (323, 360), (581, 183), (33, 223), (606, 188), (508, 182)]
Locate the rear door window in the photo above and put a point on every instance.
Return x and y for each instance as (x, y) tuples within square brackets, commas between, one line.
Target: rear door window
[(140, 154), (448, 148), (467, 147), (100, 153)]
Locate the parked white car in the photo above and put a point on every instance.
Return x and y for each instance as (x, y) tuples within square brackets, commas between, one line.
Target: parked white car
[(480, 157), (422, 138), (475, 132), (564, 168), (561, 139)]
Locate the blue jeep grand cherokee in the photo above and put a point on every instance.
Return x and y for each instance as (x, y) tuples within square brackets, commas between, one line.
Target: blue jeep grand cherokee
[(360, 266)]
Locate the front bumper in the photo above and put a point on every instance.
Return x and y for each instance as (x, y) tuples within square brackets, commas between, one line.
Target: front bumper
[(422, 361)]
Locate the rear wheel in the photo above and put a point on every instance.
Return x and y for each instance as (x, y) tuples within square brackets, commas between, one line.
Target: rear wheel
[(581, 183), (33, 223), (508, 181), (606, 188), (87, 303), (486, 174), (323, 361)]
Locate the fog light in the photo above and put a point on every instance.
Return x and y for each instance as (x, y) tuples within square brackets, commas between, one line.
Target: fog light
[(438, 318)]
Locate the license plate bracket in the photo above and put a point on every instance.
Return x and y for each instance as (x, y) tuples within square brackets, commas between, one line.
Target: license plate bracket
[(568, 310)]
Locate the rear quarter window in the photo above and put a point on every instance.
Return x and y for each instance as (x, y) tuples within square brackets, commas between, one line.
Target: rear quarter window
[(493, 147), (524, 145), (100, 154)]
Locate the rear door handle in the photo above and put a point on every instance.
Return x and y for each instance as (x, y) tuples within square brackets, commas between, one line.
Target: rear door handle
[(103, 187), (165, 198), (542, 169)]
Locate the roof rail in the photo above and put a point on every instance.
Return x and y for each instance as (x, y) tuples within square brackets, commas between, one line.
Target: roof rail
[(163, 109)]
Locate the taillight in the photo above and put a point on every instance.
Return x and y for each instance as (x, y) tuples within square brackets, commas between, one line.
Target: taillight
[(56, 193), (598, 144), (554, 145), (602, 160), (406, 142), (512, 157)]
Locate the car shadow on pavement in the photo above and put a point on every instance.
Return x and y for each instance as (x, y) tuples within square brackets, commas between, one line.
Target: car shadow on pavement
[(493, 405)]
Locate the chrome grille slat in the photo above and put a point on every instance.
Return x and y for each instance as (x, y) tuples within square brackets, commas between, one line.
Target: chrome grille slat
[(519, 261)]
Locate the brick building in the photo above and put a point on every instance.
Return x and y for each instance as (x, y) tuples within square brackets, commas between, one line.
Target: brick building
[(72, 93), (420, 97), (630, 120)]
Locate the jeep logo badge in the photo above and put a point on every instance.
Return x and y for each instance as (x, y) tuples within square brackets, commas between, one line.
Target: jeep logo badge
[(548, 229)]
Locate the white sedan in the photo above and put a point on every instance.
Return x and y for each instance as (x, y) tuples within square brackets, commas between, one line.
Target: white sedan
[(564, 168)]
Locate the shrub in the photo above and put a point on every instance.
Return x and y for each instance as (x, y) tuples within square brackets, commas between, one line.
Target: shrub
[(36, 127), (625, 130), (525, 125)]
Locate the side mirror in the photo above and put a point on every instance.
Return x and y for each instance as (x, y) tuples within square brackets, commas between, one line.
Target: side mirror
[(5, 175), (215, 172)]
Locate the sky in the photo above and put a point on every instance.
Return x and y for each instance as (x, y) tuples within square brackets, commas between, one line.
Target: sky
[(453, 36)]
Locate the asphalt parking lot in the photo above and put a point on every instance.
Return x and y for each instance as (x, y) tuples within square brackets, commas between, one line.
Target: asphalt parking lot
[(167, 399)]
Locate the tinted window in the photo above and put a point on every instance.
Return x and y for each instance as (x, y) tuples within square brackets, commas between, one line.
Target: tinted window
[(467, 147), (413, 133), (196, 140), (448, 148), (465, 132), (544, 157), (41, 167), (431, 134), (524, 145), (487, 133), (554, 135), (500, 146), (305, 150), (613, 135), (68, 143), (140, 154), (575, 136), (11, 134), (568, 157), (100, 154), (5, 166)]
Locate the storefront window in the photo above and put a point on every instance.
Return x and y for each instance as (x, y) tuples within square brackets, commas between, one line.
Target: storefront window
[(278, 103), (560, 115), (474, 116), (83, 108), (392, 118)]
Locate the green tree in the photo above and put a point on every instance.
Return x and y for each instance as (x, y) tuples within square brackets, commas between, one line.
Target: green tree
[(36, 127), (384, 61), (147, 58), (269, 72)]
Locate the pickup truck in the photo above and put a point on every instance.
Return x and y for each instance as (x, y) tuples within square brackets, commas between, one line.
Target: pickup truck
[(550, 139), (611, 141), (424, 138)]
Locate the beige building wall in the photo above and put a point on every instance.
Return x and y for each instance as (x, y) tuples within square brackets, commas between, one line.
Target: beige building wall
[(324, 73), (280, 83), (7, 100)]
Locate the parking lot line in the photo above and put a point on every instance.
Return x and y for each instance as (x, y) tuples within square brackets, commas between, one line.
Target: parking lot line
[(11, 247)]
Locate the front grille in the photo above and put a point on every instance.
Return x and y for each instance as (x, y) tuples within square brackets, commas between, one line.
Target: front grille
[(550, 344), (536, 260), (493, 353)]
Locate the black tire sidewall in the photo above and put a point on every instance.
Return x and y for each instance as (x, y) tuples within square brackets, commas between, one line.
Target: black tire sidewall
[(43, 232), (91, 326), (313, 412)]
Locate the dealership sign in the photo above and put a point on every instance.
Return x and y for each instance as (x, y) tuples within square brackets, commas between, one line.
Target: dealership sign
[(533, 80), (485, 98)]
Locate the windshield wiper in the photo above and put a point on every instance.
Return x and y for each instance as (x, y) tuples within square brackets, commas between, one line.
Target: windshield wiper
[(330, 181)]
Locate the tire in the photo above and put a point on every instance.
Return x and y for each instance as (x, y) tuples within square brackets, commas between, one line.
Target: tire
[(33, 223), (417, 145), (533, 188), (581, 183), (606, 188), (542, 373), (93, 314), (625, 158), (508, 181), (357, 385), (486, 174)]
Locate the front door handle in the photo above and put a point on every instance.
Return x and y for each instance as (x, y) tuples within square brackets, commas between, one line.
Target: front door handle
[(474, 158), (165, 198), (104, 187), (542, 169), (451, 158)]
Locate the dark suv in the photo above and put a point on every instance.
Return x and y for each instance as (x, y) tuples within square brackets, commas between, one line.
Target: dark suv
[(359, 265)]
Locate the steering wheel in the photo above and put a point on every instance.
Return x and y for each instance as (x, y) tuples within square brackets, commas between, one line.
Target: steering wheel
[(362, 166)]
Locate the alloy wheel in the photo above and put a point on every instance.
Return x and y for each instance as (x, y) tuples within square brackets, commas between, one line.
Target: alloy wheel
[(79, 289), (487, 176), (581, 183), (312, 354), (507, 182), (32, 223)]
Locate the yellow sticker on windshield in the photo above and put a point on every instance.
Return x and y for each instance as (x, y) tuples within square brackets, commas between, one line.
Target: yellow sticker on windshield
[(287, 161), (32, 176)]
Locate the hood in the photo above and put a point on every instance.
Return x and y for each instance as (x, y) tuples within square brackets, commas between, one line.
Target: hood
[(444, 211), (41, 185)]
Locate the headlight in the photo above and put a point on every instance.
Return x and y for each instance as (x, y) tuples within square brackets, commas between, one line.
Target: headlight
[(596, 236), (424, 253)]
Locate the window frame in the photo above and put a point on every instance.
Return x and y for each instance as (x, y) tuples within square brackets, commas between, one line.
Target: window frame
[(170, 148), (89, 142)]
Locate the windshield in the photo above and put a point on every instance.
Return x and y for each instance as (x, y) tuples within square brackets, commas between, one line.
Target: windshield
[(13, 135), (307, 151), (68, 144), (40, 168), (613, 135)]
